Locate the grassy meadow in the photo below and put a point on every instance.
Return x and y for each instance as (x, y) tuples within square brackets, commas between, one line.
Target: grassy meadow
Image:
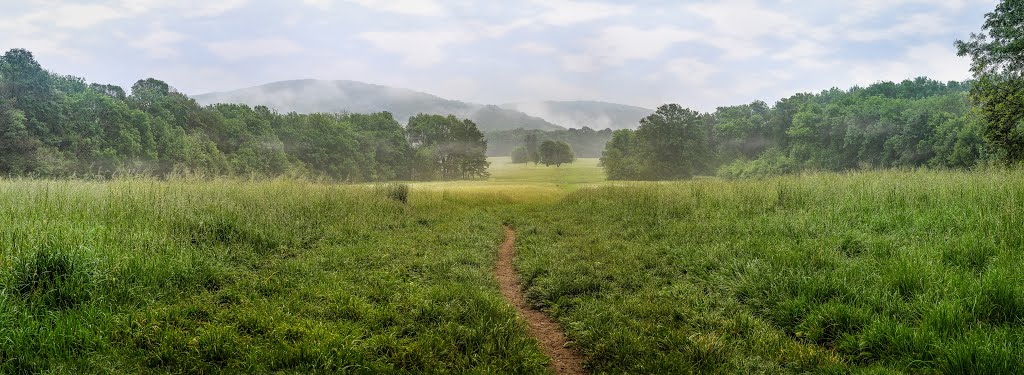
[(875, 272)]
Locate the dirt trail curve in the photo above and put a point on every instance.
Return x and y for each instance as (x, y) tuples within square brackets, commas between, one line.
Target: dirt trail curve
[(552, 340)]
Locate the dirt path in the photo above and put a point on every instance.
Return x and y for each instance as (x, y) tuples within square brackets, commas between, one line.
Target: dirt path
[(552, 340)]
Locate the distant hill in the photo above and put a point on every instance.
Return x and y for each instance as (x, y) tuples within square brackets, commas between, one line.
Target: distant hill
[(577, 114), (309, 96)]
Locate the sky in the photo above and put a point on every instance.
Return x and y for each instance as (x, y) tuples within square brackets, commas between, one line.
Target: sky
[(699, 54)]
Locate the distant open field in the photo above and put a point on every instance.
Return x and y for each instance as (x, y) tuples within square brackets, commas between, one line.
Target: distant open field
[(880, 272)]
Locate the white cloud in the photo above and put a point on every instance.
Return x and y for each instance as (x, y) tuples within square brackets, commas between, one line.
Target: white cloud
[(319, 4), (54, 45), (141, 6), (553, 88), (536, 48), (578, 62), (856, 12), (417, 48), (158, 44), (216, 8), (934, 60), (744, 28), (926, 24), (567, 12), (424, 8), (749, 19), (691, 71), (65, 16), (619, 44), (236, 50), (805, 54)]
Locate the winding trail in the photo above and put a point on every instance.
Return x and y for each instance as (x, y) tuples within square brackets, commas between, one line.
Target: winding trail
[(552, 340)]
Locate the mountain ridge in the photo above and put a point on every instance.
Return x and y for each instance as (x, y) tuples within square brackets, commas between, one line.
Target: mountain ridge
[(584, 113), (312, 95)]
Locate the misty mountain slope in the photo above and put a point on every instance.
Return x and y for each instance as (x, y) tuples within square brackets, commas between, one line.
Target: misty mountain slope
[(577, 114), (309, 96)]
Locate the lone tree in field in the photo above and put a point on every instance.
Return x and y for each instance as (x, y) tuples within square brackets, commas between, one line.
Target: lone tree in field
[(556, 152), (998, 64)]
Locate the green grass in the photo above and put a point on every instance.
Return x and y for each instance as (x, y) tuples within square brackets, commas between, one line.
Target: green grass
[(139, 276), (876, 272), (577, 174), (879, 272)]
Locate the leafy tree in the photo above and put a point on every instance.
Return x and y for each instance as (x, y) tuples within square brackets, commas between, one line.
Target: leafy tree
[(30, 90), (17, 146), (383, 140), (997, 55), (621, 159), (742, 131), (532, 142), (556, 153), (673, 143), (520, 155), (457, 147)]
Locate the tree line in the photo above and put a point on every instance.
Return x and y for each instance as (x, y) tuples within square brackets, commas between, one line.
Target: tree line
[(918, 123), (914, 123), (58, 126)]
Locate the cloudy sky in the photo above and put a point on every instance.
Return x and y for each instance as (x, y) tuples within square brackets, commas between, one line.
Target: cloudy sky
[(701, 54)]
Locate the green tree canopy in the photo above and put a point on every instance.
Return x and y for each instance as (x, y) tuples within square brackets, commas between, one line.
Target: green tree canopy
[(454, 148), (53, 125), (520, 155), (556, 153), (997, 55)]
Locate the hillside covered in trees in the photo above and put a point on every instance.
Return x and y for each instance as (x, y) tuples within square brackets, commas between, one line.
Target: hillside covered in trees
[(57, 126), (315, 96), (914, 123)]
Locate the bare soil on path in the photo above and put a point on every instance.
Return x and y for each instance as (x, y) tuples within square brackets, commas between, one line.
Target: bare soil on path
[(552, 340)]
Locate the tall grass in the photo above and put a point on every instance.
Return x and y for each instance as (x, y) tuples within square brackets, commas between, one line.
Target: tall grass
[(908, 271), (256, 277), (911, 271)]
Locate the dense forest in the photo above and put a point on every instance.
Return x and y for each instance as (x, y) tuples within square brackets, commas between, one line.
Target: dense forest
[(58, 126), (914, 123)]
